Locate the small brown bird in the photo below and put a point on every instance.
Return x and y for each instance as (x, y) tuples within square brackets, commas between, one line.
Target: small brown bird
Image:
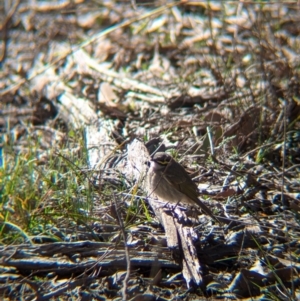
[(171, 183)]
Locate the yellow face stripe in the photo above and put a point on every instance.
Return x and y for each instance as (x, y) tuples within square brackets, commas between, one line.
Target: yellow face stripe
[(163, 162)]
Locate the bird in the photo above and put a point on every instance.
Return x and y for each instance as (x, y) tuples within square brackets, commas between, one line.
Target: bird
[(169, 181)]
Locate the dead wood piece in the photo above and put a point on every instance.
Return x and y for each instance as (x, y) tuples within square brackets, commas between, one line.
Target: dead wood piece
[(170, 228), (76, 110), (83, 248), (191, 266), (27, 259), (99, 143), (137, 157), (190, 100)]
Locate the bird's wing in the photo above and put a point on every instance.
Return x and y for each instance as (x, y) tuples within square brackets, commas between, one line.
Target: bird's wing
[(182, 182)]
